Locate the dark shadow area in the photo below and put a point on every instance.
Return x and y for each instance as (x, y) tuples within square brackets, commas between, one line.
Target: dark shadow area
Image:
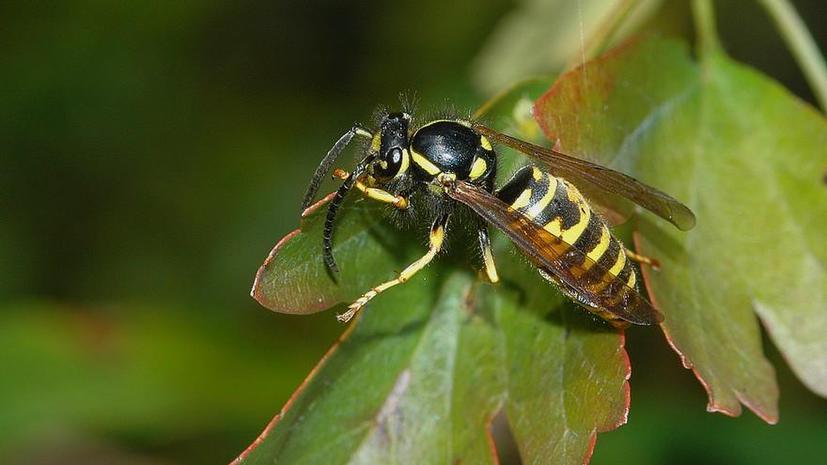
[(505, 446)]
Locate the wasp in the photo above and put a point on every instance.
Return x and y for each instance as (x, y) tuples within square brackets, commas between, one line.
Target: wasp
[(446, 165)]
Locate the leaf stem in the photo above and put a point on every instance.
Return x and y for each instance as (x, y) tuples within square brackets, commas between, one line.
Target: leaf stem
[(704, 15), (602, 36), (801, 44)]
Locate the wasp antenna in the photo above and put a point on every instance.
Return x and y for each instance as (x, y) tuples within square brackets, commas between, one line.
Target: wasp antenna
[(328, 161), (333, 208)]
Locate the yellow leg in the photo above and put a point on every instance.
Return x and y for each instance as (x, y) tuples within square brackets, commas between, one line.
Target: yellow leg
[(437, 237), (487, 256), (642, 258), (373, 193)]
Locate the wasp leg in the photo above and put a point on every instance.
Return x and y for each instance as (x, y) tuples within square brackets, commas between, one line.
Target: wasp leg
[(654, 263), (487, 256), (374, 193), (437, 237)]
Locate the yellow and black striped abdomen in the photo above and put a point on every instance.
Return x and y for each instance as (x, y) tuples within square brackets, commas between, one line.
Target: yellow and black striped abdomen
[(558, 207)]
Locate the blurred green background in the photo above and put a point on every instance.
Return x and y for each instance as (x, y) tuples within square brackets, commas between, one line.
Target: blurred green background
[(152, 153)]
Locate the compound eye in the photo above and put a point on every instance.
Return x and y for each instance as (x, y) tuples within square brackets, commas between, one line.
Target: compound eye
[(395, 157), (388, 165)]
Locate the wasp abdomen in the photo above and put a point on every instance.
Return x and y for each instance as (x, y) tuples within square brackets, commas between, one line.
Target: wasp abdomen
[(557, 206)]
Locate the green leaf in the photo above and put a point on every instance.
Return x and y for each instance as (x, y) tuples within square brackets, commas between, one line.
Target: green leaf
[(425, 368), (749, 159), (295, 279)]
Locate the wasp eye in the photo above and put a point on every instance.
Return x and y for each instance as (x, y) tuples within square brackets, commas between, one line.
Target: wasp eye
[(389, 164)]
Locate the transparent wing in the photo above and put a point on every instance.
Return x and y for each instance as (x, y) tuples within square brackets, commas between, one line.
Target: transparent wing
[(567, 263), (593, 179)]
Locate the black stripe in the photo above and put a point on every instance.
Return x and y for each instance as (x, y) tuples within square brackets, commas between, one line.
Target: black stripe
[(605, 262), (552, 209), (515, 186), (560, 206), (538, 191), (628, 269), (590, 237)]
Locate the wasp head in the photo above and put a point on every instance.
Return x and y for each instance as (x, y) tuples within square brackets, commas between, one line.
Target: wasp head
[(391, 146)]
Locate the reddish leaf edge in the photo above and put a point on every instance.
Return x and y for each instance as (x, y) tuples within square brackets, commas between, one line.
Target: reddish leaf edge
[(255, 291), (622, 420), (489, 435), (295, 395), (711, 406), (312, 208), (627, 388), (627, 403), (611, 54)]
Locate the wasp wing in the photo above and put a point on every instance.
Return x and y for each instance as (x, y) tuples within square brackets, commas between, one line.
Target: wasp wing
[(591, 176), (612, 209), (562, 260)]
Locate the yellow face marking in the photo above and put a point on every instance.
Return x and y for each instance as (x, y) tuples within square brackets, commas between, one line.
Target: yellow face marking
[(406, 162), (602, 245), (555, 227), (522, 200), (478, 168), (632, 280), (485, 143), (425, 164), (618, 266), (543, 202), (376, 142)]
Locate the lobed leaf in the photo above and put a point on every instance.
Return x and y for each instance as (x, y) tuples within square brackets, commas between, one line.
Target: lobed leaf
[(295, 279), (748, 158)]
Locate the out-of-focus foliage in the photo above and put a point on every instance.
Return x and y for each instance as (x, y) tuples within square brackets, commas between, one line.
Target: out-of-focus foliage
[(151, 153), (540, 35)]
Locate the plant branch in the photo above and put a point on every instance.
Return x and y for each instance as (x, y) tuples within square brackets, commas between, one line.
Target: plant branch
[(602, 36), (801, 44), (704, 15)]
